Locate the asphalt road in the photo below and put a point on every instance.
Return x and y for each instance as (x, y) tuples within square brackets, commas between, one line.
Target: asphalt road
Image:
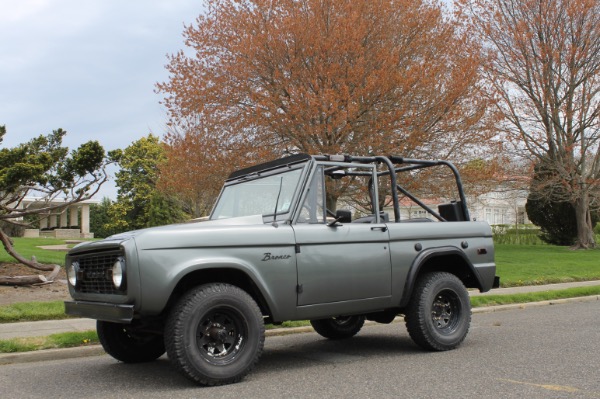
[(539, 352)]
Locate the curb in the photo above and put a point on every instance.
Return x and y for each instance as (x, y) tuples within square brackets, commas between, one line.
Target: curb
[(51, 354), (96, 350)]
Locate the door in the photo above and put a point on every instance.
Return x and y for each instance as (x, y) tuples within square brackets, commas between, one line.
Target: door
[(342, 261)]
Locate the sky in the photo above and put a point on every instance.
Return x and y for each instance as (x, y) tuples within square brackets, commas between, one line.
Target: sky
[(88, 67)]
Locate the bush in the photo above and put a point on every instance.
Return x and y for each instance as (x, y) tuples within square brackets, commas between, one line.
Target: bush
[(547, 209), (11, 229), (521, 235), (556, 220)]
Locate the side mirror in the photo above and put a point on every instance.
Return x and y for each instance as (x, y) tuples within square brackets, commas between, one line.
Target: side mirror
[(341, 216)]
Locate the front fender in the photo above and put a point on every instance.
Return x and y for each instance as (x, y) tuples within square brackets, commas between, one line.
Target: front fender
[(163, 273)]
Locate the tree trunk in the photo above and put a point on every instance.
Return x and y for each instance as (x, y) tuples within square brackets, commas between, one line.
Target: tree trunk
[(26, 280), (585, 232)]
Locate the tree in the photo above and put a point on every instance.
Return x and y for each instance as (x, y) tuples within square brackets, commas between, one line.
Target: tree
[(556, 219), (44, 168), (194, 169), (138, 199), (100, 220), (544, 67), (265, 78)]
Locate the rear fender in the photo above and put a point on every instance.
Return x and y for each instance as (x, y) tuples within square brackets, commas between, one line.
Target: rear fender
[(448, 259)]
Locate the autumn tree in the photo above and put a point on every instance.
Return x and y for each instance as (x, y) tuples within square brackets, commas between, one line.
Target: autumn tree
[(262, 78), (139, 204), (44, 169), (194, 168), (544, 65)]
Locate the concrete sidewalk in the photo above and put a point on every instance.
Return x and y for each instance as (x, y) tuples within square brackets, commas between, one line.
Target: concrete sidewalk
[(536, 288), (44, 328)]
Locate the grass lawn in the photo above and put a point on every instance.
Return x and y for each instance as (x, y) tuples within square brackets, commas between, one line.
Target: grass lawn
[(29, 246), (544, 264), (62, 340), (516, 264), (32, 311)]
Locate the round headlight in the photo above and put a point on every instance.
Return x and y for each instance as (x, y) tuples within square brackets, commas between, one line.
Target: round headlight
[(117, 272), (72, 273)]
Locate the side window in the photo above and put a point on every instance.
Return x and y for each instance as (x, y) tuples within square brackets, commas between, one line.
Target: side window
[(313, 209)]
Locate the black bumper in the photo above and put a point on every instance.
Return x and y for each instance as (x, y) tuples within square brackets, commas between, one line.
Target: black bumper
[(100, 311)]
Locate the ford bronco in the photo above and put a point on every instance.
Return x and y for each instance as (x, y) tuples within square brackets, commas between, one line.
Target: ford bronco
[(275, 248)]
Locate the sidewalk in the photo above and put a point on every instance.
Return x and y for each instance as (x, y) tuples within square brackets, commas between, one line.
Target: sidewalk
[(536, 288), (45, 328)]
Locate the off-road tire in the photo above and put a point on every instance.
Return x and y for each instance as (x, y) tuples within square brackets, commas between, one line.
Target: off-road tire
[(338, 327), (215, 334), (438, 315), (123, 343)]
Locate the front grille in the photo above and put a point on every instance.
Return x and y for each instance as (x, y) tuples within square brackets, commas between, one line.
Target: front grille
[(94, 273)]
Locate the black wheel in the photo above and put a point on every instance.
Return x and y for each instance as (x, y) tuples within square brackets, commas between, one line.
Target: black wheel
[(215, 334), (338, 327), (124, 343), (439, 312)]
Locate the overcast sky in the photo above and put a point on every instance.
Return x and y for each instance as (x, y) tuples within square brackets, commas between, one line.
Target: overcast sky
[(87, 66)]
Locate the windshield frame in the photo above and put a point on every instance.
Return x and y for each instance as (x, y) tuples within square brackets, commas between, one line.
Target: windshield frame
[(253, 178)]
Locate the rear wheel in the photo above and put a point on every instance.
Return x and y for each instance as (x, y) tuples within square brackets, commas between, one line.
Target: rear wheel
[(124, 343), (338, 327), (215, 334), (438, 315)]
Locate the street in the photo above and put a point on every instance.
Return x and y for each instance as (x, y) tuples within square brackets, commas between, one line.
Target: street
[(536, 352)]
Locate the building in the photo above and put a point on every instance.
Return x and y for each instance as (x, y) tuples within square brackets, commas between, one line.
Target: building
[(72, 221), (495, 207)]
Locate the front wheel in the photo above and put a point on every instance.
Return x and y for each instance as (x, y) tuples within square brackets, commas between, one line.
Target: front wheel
[(438, 315), (338, 327), (124, 343), (215, 334)]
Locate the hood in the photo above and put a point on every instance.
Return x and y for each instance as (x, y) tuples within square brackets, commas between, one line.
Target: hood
[(195, 225), (242, 231)]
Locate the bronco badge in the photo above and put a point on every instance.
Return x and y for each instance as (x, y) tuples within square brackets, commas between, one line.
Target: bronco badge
[(269, 256)]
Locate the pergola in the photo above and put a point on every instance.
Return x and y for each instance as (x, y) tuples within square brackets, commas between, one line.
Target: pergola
[(72, 221)]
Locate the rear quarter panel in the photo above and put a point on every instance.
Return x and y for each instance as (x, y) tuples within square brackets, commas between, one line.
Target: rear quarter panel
[(408, 240)]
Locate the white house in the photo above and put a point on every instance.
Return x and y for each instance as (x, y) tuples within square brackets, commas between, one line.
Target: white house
[(69, 222), (495, 207)]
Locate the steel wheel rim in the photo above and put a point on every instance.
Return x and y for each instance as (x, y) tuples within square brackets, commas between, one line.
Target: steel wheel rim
[(221, 336), (343, 321), (446, 312)]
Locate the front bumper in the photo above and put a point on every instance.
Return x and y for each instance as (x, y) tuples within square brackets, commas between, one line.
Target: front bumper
[(100, 311)]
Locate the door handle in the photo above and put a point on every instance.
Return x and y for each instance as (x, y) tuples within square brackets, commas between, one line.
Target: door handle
[(381, 228)]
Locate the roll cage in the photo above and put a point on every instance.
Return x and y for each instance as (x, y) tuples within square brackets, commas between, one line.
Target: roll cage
[(392, 167)]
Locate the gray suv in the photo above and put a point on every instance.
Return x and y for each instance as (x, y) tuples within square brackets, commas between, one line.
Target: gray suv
[(299, 238)]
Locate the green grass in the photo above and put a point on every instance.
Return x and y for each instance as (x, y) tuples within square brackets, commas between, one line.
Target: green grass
[(62, 340), (495, 300), (519, 265), (27, 247), (32, 311)]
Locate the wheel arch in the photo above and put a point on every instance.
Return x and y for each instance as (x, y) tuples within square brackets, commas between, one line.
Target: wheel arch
[(227, 275), (445, 259)]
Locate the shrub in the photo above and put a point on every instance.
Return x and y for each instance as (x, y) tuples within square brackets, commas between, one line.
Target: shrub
[(521, 235), (11, 229)]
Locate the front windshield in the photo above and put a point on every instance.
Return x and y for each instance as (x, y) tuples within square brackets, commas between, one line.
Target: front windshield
[(258, 196)]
